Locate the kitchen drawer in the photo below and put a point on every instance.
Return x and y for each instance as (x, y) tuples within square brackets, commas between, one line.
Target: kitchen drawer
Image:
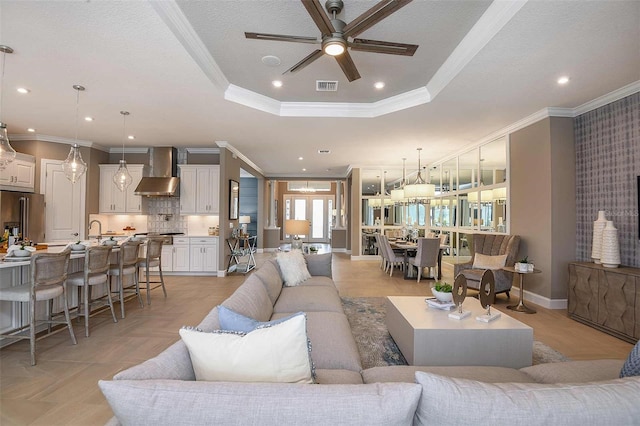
[(180, 241), (204, 240)]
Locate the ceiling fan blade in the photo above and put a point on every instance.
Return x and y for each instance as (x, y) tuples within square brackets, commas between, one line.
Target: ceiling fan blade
[(281, 37), (315, 9), (376, 46), (372, 16), (306, 61), (347, 65)]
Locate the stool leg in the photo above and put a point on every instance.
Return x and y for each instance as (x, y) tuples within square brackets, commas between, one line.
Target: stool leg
[(121, 290), (32, 330), (164, 290), (113, 313), (86, 309), (146, 272), (67, 317)]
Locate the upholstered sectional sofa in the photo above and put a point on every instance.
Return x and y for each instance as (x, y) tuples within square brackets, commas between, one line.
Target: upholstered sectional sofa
[(164, 390)]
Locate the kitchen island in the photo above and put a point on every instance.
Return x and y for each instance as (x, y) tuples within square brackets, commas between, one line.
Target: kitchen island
[(14, 315)]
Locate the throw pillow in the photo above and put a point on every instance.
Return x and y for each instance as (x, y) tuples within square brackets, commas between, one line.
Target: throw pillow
[(230, 320), (631, 366), (293, 267), (482, 261), (276, 353), (613, 402)]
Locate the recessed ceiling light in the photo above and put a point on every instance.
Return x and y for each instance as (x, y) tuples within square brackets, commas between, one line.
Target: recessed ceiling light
[(379, 85), (271, 60), (276, 83), (131, 137), (300, 158), (563, 80), (304, 170), (31, 130), (23, 90), (88, 119)]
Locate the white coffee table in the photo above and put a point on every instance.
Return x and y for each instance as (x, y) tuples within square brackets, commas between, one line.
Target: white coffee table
[(427, 336)]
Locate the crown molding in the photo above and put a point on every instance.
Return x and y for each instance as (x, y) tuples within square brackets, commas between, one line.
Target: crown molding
[(136, 150), (254, 100), (497, 15), (227, 145), (603, 100), (172, 15), (56, 139)]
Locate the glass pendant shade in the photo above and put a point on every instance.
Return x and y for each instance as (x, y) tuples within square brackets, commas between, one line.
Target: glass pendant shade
[(122, 178), (74, 167), (7, 153)]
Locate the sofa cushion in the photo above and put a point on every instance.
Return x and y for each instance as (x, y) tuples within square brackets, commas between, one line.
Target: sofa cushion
[(252, 300), (407, 373), (483, 261), (154, 402), (292, 267), (449, 401), (321, 281), (233, 321), (270, 277), (210, 322), (173, 363), (332, 343), (308, 299), (632, 364), (319, 264), (337, 376), (276, 353), (575, 371)]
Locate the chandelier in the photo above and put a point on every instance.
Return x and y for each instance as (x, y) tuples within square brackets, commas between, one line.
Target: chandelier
[(123, 178), (74, 167), (419, 190)]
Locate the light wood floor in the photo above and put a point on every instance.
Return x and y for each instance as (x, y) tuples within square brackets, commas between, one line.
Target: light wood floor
[(62, 388)]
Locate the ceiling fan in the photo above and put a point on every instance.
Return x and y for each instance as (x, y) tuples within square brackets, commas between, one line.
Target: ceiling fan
[(335, 35)]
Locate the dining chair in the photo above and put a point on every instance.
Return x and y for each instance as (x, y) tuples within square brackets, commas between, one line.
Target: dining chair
[(152, 259), (48, 281), (427, 254), (393, 259), (381, 252), (127, 266), (95, 273)]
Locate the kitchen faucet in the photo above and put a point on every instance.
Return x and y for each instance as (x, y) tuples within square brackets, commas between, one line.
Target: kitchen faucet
[(99, 237)]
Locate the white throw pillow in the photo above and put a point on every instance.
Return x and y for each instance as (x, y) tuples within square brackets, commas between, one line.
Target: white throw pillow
[(449, 401), (278, 353), (293, 267), (482, 261)]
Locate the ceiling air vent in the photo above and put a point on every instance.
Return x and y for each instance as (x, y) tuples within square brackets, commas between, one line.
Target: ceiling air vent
[(326, 86), (324, 151)]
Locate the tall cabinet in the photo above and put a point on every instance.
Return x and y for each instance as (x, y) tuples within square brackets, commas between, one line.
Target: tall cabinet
[(112, 200), (199, 189)]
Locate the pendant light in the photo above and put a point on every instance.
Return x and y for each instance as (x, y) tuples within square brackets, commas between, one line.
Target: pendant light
[(74, 167), (123, 178), (419, 190), (7, 153)]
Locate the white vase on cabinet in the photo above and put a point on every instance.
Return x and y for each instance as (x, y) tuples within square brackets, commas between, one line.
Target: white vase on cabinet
[(610, 247), (598, 228)]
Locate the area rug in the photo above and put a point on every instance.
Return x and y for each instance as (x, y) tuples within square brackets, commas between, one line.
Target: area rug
[(376, 346)]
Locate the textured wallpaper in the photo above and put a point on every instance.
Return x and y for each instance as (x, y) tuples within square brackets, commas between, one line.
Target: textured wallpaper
[(607, 165)]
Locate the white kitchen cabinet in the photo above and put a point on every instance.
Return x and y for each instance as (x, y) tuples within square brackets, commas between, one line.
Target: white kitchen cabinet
[(203, 254), (19, 174), (181, 256), (112, 200), (167, 258), (199, 189)]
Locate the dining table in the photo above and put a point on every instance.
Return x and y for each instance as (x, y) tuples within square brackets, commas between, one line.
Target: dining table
[(409, 248)]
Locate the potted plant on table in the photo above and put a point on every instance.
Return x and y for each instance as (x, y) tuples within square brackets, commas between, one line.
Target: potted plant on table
[(524, 265), (22, 251), (443, 292)]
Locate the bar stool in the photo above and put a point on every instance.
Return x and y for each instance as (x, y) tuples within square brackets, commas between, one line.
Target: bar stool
[(48, 281), (96, 270), (153, 259), (127, 267)]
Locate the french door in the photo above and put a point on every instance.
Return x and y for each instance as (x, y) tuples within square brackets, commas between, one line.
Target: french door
[(314, 208)]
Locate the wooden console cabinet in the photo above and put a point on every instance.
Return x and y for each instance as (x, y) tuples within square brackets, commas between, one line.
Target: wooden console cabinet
[(606, 298)]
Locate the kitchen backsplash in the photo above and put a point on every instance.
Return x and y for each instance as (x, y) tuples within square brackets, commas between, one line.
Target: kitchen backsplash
[(164, 216)]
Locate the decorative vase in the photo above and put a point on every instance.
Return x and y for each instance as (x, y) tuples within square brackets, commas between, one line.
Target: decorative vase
[(598, 227), (610, 248)]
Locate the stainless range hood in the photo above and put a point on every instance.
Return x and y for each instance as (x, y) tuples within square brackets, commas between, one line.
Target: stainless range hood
[(163, 181)]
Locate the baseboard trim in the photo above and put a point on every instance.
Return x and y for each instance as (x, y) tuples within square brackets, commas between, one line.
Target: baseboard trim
[(545, 302)]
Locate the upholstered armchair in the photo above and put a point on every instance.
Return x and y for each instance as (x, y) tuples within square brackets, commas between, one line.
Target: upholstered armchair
[(491, 245)]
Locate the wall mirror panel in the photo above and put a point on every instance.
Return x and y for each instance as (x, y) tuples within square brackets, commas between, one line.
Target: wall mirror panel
[(493, 162), (434, 178), (450, 175), (468, 170), (371, 182)]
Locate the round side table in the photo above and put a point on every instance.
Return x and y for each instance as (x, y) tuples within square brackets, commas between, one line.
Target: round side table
[(521, 307)]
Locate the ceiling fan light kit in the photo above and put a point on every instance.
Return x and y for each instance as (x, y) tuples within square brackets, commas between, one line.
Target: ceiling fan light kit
[(335, 35)]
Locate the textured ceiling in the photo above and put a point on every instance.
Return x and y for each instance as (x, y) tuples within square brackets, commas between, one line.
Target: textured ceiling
[(129, 56)]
